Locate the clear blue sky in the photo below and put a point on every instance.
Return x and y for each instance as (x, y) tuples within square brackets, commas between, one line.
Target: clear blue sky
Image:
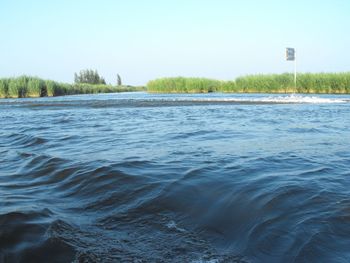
[(146, 39)]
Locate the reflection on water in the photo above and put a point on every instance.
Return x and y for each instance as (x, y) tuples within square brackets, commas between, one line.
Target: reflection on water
[(175, 178)]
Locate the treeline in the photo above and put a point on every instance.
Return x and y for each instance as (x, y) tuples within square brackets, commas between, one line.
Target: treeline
[(89, 76), (25, 86), (274, 83)]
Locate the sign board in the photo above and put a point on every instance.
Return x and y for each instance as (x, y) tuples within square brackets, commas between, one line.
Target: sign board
[(290, 54)]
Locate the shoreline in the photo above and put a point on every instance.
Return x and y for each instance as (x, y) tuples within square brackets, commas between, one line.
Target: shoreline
[(34, 87), (308, 83)]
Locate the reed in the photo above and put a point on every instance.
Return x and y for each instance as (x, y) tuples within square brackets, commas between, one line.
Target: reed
[(336, 83), (36, 88), (283, 83), (25, 86), (17, 88), (183, 85), (84, 88), (50, 87), (4, 85)]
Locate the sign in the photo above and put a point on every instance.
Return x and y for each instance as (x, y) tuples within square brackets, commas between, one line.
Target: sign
[(290, 54)]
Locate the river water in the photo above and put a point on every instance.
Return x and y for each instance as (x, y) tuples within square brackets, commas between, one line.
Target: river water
[(135, 177)]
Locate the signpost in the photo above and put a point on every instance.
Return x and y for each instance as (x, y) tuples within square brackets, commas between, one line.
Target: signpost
[(290, 56)]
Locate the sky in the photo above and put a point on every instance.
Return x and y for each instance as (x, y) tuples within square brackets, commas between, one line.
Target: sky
[(147, 39)]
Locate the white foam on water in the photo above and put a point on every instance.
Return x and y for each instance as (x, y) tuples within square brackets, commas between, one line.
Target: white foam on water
[(293, 99), (206, 261), (172, 225), (302, 99)]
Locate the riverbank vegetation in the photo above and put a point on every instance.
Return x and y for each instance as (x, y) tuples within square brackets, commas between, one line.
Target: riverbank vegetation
[(337, 83), (183, 85), (26, 86), (331, 83)]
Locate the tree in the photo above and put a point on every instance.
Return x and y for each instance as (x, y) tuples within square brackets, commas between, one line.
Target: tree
[(89, 76), (76, 78), (119, 80)]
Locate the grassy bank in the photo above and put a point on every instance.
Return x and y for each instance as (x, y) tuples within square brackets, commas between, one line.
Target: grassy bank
[(183, 85), (337, 83), (26, 87)]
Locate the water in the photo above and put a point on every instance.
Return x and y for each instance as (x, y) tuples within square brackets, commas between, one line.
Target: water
[(209, 178)]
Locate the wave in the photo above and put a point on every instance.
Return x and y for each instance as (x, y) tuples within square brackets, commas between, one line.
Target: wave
[(207, 184), (24, 140), (288, 99), (178, 100), (116, 212), (303, 99), (24, 238)]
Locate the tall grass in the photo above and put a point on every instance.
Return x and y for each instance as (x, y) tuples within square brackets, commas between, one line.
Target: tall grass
[(283, 83), (36, 87), (4, 86), (273, 83), (84, 88), (183, 85), (26, 86), (17, 88), (51, 88)]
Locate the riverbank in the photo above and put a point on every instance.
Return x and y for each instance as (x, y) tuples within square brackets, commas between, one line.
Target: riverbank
[(30, 87), (321, 83)]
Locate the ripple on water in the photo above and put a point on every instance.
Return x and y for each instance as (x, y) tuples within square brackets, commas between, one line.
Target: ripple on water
[(227, 178)]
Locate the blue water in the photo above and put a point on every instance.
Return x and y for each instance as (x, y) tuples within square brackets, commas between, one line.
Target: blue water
[(135, 177)]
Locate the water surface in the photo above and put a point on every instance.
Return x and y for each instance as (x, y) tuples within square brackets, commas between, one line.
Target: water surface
[(136, 177)]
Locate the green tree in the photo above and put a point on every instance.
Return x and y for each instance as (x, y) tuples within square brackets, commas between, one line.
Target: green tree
[(119, 80), (88, 76)]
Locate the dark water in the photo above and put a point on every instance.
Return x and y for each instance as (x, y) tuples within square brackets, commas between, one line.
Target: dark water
[(174, 178)]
